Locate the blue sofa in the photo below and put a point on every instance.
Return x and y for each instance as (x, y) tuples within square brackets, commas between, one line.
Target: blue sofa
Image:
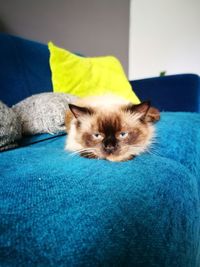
[(58, 210)]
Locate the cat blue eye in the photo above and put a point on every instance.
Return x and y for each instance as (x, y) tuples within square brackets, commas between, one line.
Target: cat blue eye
[(97, 135), (123, 134)]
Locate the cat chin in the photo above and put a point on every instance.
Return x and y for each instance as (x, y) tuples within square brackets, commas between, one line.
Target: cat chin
[(112, 158), (119, 158)]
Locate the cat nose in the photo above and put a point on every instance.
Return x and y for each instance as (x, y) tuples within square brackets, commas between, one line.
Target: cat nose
[(109, 145), (109, 148)]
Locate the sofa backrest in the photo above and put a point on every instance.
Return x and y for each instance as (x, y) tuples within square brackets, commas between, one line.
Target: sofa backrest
[(24, 69), (179, 92)]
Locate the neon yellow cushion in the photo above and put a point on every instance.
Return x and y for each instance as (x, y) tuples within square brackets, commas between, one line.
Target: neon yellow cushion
[(84, 76)]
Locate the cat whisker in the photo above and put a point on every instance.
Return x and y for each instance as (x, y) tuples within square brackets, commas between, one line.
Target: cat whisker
[(84, 149), (88, 151), (153, 151), (74, 153), (150, 149), (134, 146), (154, 142)]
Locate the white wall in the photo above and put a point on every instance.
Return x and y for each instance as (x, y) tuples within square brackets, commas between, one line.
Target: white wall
[(164, 36), (91, 27)]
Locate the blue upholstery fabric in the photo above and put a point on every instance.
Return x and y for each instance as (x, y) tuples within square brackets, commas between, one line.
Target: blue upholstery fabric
[(171, 93), (24, 69), (62, 210)]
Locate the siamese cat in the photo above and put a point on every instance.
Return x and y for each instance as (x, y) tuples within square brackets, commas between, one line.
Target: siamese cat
[(109, 127)]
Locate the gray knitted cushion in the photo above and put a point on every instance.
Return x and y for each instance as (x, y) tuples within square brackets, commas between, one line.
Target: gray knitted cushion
[(10, 127), (43, 113)]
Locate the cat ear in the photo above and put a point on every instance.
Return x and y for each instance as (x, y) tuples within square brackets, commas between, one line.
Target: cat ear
[(79, 111), (141, 108), (148, 113), (152, 115)]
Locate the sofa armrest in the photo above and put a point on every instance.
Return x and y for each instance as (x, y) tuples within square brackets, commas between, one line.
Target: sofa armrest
[(170, 93)]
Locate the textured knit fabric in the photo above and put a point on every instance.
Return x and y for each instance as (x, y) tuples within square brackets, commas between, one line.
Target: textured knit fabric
[(43, 113), (63, 210), (10, 127)]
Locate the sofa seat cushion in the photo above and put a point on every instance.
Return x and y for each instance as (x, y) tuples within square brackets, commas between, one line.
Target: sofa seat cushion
[(64, 210)]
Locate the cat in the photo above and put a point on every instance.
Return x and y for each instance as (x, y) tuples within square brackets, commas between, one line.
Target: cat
[(110, 127)]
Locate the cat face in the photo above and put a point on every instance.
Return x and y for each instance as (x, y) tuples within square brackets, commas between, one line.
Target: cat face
[(117, 133)]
